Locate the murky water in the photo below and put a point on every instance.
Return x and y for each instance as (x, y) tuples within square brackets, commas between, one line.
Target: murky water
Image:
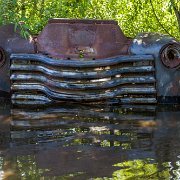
[(89, 142)]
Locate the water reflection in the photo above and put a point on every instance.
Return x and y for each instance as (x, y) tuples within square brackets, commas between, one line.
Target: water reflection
[(89, 142)]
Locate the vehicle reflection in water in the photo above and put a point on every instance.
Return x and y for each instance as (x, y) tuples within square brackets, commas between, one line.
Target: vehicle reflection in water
[(89, 142)]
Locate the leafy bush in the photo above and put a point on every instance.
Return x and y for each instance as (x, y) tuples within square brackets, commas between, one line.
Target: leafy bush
[(132, 15)]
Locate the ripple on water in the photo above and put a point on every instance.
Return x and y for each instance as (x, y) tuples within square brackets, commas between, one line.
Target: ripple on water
[(83, 142)]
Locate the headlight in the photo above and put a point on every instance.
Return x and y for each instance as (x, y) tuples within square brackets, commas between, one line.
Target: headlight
[(170, 55)]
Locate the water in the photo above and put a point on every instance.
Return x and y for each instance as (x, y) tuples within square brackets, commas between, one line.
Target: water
[(89, 142)]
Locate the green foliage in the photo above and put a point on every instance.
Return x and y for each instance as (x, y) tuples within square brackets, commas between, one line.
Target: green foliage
[(24, 29), (133, 16), (141, 169), (144, 169)]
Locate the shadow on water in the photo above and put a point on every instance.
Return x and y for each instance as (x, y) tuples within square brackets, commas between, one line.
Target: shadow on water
[(89, 142)]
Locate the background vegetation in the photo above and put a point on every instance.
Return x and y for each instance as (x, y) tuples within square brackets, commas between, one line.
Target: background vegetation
[(132, 15)]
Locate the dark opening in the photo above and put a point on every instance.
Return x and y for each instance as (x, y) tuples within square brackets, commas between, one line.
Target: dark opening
[(2, 57), (171, 54)]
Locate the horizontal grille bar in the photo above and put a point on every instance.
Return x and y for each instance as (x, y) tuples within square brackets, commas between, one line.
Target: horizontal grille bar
[(76, 86), (27, 100), (81, 75), (80, 63), (30, 97), (82, 96), (141, 100)]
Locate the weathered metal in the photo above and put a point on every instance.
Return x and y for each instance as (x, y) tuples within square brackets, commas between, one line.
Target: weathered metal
[(89, 61), (10, 42), (170, 55), (166, 51), (86, 39), (116, 77)]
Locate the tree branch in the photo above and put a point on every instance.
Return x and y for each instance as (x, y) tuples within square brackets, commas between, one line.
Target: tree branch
[(177, 12)]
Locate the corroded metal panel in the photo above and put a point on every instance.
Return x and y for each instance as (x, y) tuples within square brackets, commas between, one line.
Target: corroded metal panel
[(10, 42), (82, 39)]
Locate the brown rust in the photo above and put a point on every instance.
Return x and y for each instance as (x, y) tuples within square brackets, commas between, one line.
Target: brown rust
[(90, 39), (72, 49), (12, 41)]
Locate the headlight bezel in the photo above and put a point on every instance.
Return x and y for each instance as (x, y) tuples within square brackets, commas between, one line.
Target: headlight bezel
[(170, 55)]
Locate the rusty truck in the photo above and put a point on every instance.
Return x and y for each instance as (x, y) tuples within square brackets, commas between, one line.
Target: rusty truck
[(88, 61)]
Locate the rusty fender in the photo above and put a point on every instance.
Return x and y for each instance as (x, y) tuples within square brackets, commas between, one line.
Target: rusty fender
[(10, 42)]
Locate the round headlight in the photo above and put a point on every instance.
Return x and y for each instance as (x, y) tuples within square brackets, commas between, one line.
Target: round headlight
[(170, 55)]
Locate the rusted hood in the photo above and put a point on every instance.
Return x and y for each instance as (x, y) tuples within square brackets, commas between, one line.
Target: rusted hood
[(93, 39)]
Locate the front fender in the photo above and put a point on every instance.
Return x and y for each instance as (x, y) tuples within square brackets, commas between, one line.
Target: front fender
[(166, 51)]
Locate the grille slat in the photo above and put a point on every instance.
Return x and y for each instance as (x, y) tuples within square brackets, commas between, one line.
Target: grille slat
[(80, 95), (113, 82), (80, 75), (80, 63)]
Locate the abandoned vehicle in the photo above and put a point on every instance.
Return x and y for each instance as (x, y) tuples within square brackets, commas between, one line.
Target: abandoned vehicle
[(88, 61)]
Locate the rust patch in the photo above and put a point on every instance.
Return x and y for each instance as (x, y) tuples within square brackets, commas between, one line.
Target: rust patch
[(12, 42), (90, 39)]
